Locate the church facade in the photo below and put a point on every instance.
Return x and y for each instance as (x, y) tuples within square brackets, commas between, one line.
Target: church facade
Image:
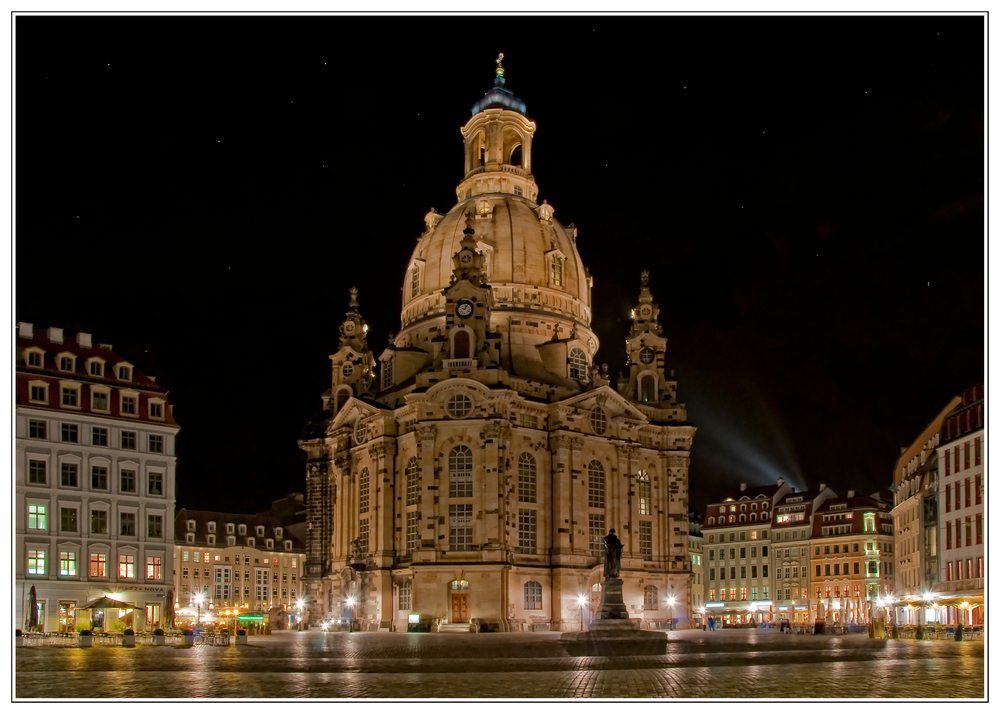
[(470, 472)]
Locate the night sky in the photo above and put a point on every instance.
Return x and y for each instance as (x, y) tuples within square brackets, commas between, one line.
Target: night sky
[(807, 193)]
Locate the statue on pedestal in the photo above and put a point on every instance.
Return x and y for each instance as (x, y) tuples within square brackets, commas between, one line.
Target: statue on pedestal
[(612, 555)]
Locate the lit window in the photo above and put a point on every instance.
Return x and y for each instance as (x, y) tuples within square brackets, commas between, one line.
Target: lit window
[(153, 567), (36, 517), (98, 565), (556, 270), (532, 596), (67, 563), (36, 562), (645, 500), (126, 566)]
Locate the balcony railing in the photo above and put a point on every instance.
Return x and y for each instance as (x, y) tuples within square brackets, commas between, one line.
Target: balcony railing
[(459, 363)]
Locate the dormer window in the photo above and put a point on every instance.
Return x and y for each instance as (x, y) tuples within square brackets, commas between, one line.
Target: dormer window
[(34, 357), (231, 540), (230, 528), (191, 526), (67, 362), (269, 544), (190, 538), (556, 270), (211, 526), (260, 531), (242, 529), (155, 409), (211, 539), (277, 532), (125, 372), (577, 364), (288, 545), (251, 542)]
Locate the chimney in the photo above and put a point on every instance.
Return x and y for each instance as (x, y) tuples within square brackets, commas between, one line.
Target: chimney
[(822, 487), (25, 329), (850, 494), (781, 481), (55, 335), (743, 487), (83, 339), (105, 347)]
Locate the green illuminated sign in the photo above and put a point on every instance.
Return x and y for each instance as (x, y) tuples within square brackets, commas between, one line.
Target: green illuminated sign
[(249, 617)]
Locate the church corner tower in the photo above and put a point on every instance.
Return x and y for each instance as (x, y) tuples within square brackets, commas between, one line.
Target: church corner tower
[(474, 481)]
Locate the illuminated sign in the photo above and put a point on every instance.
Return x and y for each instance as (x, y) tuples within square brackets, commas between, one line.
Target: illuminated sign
[(715, 604), (761, 603), (414, 618), (249, 617)]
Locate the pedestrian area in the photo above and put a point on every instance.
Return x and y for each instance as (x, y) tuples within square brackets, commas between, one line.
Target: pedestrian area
[(714, 665)]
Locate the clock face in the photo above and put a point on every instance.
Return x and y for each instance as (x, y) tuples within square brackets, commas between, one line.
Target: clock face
[(645, 311), (646, 355), (349, 327), (465, 258), (464, 308)]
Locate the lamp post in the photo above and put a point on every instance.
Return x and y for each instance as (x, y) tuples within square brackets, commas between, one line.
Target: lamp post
[(670, 604), (582, 601), (299, 604), (350, 604), (198, 600)]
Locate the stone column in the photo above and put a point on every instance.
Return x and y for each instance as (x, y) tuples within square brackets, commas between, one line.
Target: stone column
[(426, 436)]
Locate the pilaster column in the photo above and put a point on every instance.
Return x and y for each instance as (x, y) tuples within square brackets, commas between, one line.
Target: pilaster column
[(426, 436)]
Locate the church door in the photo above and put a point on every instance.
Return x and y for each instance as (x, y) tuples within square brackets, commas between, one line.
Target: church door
[(460, 607)]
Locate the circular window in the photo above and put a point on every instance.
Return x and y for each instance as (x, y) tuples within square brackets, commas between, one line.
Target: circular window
[(646, 355), (348, 369), (599, 420), (360, 432), (459, 406)]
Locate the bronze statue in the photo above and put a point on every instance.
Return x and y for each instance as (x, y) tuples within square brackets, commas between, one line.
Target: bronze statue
[(612, 555)]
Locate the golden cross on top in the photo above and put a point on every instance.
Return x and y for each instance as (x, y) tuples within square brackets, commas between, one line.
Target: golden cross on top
[(499, 65)]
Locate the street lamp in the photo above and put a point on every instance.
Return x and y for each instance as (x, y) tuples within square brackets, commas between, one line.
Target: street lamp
[(350, 604), (199, 599), (670, 603), (582, 601)]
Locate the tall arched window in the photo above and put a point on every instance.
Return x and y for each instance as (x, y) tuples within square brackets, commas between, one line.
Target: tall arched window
[(532, 595), (412, 482), (414, 281), (556, 273), (647, 388), (461, 348), (460, 472), (387, 373), (645, 505), (577, 364), (650, 599), (515, 156), (595, 484), (526, 481), (342, 396), (363, 486)]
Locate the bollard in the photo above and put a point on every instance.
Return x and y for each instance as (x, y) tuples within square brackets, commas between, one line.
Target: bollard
[(958, 633)]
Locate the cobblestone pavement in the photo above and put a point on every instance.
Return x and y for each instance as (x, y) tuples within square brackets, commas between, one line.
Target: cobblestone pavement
[(715, 665)]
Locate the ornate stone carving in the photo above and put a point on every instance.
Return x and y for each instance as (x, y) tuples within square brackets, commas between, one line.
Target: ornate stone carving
[(625, 451), (678, 460), (494, 430), (426, 433)]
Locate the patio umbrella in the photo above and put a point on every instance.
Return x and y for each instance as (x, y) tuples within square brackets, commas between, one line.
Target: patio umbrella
[(102, 603), (32, 610)]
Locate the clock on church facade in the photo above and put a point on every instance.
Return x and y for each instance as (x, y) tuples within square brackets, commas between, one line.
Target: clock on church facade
[(469, 474)]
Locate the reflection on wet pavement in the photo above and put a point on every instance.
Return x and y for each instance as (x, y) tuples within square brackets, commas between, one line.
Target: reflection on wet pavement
[(290, 665)]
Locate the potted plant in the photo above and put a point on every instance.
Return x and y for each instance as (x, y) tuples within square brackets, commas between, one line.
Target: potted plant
[(158, 637), (189, 637), (128, 638), (241, 637), (86, 638)]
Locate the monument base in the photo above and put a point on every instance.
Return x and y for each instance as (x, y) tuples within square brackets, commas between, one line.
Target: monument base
[(613, 633)]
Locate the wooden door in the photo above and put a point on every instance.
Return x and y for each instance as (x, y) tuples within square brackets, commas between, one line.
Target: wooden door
[(460, 607)]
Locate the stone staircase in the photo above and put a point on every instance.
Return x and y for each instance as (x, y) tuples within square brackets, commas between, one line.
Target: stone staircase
[(454, 627)]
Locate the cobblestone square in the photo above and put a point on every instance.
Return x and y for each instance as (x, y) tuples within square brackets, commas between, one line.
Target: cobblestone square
[(697, 665)]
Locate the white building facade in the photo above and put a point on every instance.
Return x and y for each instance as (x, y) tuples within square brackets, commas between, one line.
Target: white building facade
[(94, 483), (473, 481)]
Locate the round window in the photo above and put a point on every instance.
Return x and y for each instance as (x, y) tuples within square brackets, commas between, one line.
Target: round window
[(348, 369), (599, 420), (459, 406), (646, 355), (360, 432)]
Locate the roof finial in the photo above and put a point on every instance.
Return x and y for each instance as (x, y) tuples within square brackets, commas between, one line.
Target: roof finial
[(499, 81), (354, 297), (644, 278)]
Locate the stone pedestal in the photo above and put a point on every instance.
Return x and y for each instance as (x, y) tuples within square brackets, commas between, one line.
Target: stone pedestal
[(612, 603)]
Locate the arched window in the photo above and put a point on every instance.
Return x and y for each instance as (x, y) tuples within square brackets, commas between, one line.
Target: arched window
[(342, 396), (460, 472), (753, 506), (526, 481), (599, 420), (711, 520), (577, 364), (556, 271), (387, 373), (363, 491), (595, 484), (753, 516), (532, 595), (743, 517), (647, 388), (462, 346), (645, 500), (414, 281), (650, 600), (412, 482), (732, 519)]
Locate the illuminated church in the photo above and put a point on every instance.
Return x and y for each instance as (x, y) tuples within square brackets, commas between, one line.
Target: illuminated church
[(469, 473)]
